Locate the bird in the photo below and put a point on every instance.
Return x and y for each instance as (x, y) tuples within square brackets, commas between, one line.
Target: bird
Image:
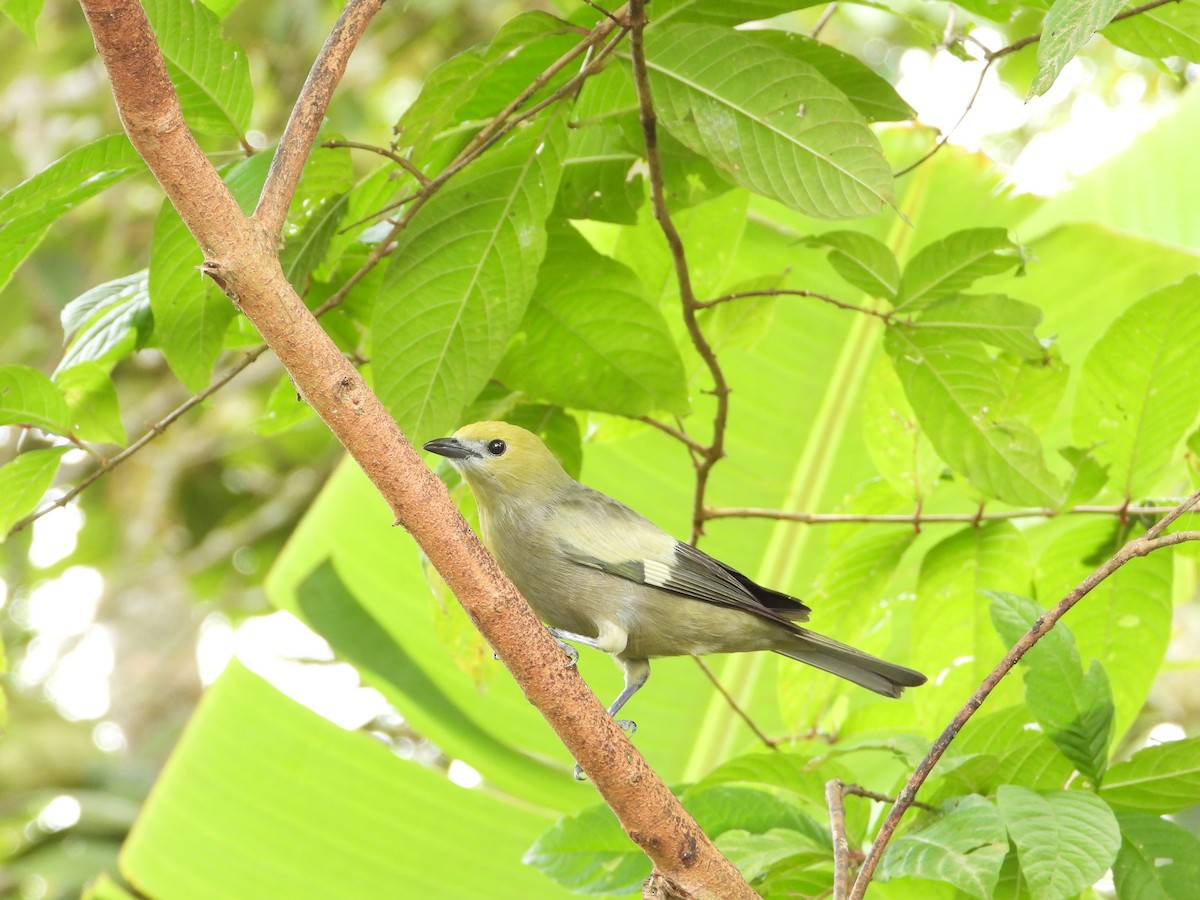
[(603, 576)]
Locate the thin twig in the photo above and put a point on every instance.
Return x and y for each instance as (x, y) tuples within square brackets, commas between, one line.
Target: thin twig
[(678, 433), (308, 114), (919, 517), (945, 138), (824, 20), (1152, 540), (403, 162), (835, 799), (745, 716), (789, 292), (690, 306), (858, 790), (154, 431)]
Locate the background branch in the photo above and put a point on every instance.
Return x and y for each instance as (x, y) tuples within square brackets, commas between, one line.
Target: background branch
[(240, 255), (309, 112), (919, 517), (1152, 540)]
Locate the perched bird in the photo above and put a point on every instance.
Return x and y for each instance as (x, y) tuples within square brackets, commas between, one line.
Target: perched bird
[(603, 576)]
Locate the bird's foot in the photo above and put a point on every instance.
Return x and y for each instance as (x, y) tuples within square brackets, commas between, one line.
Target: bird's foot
[(579, 776), (628, 726), (572, 653)]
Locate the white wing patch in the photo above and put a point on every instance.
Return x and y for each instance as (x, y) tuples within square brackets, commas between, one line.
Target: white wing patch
[(656, 573)]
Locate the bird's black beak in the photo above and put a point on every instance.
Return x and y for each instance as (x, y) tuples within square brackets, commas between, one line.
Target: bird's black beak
[(449, 447)]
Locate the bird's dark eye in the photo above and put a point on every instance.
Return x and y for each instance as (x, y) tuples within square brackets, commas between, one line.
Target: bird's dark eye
[(497, 447)]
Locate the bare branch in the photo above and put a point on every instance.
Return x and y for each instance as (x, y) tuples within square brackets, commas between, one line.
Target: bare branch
[(1153, 540), (309, 112), (835, 799), (154, 431), (788, 292), (720, 390), (918, 517), (401, 161), (735, 706)]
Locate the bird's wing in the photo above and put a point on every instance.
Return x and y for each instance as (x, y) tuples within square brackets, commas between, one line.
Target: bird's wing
[(596, 531)]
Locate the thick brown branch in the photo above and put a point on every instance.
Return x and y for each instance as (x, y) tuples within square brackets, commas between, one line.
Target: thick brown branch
[(240, 255), (309, 112), (1154, 539)]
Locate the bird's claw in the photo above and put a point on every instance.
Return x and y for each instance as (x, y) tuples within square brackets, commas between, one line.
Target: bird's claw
[(572, 653), (628, 726), (579, 776)]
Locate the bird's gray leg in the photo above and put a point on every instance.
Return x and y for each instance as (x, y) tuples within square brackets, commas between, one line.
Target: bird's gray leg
[(563, 636), (636, 673)]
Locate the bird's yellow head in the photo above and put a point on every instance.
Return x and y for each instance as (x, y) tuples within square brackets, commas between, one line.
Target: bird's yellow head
[(502, 462)]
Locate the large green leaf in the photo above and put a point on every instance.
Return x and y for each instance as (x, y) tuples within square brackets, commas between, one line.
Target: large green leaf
[(91, 396), (461, 278), (23, 481), (1158, 859), (864, 261), (1162, 778), (1074, 708), (953, 637), (262, 797), (1069, 25), (211, 73), (719, 12), (1172, 29), (965, 847), (954, 388), (1137, 398), (28, 397), (1065, 840), (997, 320), (591, 340), (191, 315), (899, 448), (28, 210), (772, 123)]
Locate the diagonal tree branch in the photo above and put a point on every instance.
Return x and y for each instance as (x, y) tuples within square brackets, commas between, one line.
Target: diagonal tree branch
[(309, 112), (1152, 540), (240, 255)]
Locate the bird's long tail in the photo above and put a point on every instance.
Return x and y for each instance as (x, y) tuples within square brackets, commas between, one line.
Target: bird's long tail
[(870, 672)]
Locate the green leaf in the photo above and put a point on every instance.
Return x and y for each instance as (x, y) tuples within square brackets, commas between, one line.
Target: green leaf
[(211, 73), (1163, 778), (772, 123), (965, 846), (1158, 859), (756, 854), (95, 414), (24, 481), (1021, 752), (1066, 840), (955, 263), (589, 853), (28, 210), (284, 408), (994, 319), (871, 94), (951, 624), (1087, 476), (481, 81), (864, 261), (461, 279), (263, 798), (307, 247), (1074, 709), (370, 194), (718, 808), (107, 323), (1137, 398), (24, 14), (28, 397), (191, 315), (719, 12), (953, 387), (591, 340), (1069, 25), (1169, 30)]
